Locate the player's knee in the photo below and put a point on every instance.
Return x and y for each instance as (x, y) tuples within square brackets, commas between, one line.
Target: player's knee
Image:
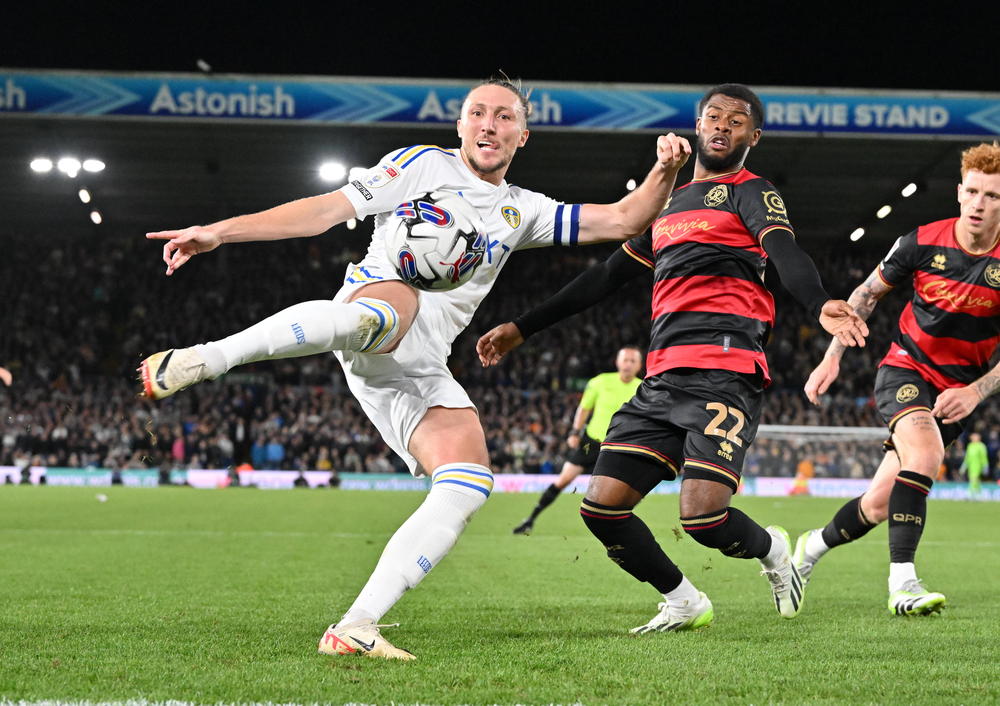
[(874, 507), (379, 325), (603, 521), (466, 485)]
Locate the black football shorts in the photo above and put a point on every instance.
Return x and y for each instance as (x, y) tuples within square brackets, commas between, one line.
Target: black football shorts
[(901, 391), (586, 453), (699, 422)]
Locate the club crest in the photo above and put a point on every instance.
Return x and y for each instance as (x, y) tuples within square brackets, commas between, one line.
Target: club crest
[(511, 215), (906, 393)]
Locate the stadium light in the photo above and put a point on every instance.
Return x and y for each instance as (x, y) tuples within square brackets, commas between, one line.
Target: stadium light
[(70, 166), (332, 171), (95, 216), (856, 235), (41, 165), (884, 211), (352, 223), (630, 184), (93, 165), (909, 190), (84, 195)]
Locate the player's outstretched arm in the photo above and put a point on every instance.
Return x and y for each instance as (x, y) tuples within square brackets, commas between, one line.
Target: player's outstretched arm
[(632, 215), (839, 319), (580, 418), (957, 403), (498, 342), (862, 301), (295, 219), (589, 287)]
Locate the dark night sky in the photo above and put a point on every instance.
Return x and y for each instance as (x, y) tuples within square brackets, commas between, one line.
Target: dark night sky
[(857, 45)]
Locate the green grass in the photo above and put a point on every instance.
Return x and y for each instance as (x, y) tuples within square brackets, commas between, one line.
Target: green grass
[(221, 596)]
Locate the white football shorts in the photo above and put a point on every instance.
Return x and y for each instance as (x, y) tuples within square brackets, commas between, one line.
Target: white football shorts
[(396, 389)]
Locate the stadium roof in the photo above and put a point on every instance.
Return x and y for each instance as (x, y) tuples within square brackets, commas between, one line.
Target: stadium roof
[(168, 174), (173, 174)]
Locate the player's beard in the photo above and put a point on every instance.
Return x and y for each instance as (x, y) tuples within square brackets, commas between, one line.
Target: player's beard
[(720, 163), (482, 169)]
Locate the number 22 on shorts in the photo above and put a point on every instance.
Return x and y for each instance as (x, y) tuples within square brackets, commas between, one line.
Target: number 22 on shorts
[(722, 412)]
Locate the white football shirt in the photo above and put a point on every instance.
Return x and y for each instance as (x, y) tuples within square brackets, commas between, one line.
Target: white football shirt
[(515, 219)]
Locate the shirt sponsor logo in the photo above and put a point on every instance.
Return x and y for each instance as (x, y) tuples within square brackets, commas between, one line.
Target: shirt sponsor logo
[(773, 202), (907, 393), (362, 190), (716, 196), (939, 290), (680, 229), (511, 215)]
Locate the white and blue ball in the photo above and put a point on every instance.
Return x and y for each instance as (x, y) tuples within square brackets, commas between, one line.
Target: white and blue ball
[(436, 241)]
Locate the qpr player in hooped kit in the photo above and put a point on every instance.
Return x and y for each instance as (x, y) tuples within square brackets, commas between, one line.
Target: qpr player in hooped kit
[(393, 340), (697, 410), (935, 374)]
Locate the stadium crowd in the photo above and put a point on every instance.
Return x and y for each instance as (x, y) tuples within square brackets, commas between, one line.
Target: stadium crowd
[(74, 326)]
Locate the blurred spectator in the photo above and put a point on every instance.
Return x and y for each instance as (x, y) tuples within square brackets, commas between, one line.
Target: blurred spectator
[(76, 326)]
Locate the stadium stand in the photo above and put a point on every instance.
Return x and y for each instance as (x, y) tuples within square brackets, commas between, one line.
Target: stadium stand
[(80, 313)]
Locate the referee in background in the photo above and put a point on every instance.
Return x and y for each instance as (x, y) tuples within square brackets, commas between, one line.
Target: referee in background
[(602, 397)]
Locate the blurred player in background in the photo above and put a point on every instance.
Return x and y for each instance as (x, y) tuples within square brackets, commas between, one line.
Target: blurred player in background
[(394, 341), (975, 462), (935, 373), (602, 397), (698, 409)]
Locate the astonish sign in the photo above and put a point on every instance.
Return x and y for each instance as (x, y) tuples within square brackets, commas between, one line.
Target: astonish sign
[(374, 101)]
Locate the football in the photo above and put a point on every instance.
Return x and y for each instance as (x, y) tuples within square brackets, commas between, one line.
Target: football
[(435, 241)]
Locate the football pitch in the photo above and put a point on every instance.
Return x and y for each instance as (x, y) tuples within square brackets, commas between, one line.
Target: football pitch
[(221, 596)]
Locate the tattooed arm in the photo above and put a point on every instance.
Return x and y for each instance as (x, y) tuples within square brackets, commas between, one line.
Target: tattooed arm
[(863, 299), (957, 403)]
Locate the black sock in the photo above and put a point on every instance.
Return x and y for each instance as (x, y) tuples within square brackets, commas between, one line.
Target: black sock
[(631, 545), (847, 525), (730, 531), (550, 494), (907, 515)]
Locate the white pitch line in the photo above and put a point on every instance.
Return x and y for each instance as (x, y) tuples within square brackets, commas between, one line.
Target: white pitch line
[(174, 533)]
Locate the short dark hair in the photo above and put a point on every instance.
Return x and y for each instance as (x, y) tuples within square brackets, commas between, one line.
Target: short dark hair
[(737, 90), (514, 85)]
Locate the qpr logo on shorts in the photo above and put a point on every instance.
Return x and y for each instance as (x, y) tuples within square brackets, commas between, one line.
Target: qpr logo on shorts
[(906, 393)]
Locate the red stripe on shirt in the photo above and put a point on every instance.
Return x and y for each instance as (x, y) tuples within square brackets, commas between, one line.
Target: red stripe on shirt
[(938, 233), (943, 350), (898, 357), (705, 226), (956, 297), (706, 356), (720, 295)]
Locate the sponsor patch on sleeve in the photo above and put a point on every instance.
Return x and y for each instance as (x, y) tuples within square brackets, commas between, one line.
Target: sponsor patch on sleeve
[(362, 190)]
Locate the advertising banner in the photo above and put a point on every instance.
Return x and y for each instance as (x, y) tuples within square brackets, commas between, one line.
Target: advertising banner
[(374, 101)]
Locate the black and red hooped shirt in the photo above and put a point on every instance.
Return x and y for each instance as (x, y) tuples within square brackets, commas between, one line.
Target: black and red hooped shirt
[(710, 306), (950, 329)]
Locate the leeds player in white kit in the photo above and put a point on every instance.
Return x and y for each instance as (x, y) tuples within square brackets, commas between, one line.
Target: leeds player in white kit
[(392, 340)]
